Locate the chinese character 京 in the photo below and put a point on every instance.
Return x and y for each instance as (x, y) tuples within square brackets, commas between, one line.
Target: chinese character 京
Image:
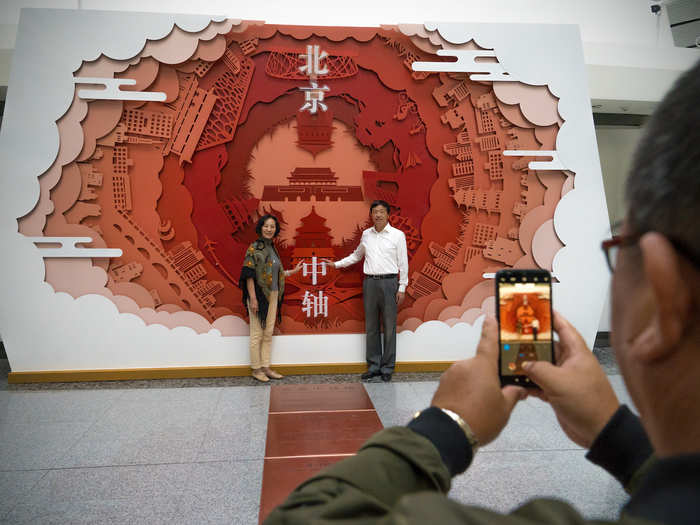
[(315, 305), (314, 97)]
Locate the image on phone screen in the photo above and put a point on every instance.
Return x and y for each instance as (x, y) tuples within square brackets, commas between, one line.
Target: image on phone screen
[(525, 322)]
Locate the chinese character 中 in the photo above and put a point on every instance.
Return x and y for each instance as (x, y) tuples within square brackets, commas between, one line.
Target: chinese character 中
[(312, 269), (314, 97), (313, 61), (315, 304)]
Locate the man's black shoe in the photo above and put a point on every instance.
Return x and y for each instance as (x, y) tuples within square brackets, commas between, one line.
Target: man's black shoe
[(386, 377), (369, 375)]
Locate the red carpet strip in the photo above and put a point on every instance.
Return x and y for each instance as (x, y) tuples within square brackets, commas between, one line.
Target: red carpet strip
[(310, 427)]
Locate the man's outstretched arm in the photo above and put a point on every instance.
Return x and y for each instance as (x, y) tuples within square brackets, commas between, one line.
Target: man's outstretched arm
[(354, 257)]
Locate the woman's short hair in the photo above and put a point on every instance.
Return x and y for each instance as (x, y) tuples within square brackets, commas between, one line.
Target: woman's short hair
[(262, 220)]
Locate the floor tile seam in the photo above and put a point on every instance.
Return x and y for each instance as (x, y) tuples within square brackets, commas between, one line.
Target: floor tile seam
[(345, 410), (310, 456), (9, 470), (81, 437), (205, 432), (124, 465), (126, 498), (110, 405), (530, 450), (23, 497), (130, 465), (243, 460)]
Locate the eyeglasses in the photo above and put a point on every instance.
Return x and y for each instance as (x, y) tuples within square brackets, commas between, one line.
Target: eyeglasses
[(611, 248)]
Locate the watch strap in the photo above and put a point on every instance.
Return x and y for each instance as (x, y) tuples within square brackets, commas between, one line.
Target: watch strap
[(448, 437)]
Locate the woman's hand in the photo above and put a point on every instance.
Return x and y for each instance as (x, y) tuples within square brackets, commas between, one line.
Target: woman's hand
[(252, 299), (253, 305), (296, 269)]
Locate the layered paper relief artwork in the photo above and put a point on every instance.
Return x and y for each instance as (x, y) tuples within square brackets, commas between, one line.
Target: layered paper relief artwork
[(171, 157)]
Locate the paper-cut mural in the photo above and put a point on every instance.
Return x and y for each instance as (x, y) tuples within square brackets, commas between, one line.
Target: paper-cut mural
[(310, 124)]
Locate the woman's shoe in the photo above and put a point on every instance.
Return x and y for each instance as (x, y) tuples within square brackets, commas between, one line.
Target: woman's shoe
[(272, 374), (260, 376)]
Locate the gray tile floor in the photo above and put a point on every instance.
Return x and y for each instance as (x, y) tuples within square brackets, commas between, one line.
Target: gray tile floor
[(192, 451)]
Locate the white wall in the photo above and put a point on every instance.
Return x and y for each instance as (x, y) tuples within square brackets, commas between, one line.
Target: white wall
[(626, 22), (629, 52), (600, 20), (616, 145)]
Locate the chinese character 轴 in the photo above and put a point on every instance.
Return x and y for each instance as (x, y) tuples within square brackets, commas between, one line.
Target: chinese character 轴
[(316, 305)]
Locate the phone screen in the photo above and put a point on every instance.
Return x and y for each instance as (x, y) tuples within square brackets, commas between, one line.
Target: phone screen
[(525, 322)]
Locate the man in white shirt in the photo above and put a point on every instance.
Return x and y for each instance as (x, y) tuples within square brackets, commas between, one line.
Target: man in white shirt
[(383, 289)]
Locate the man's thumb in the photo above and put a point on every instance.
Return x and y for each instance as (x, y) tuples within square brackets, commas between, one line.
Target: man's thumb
[(544, 374), (512, 395)]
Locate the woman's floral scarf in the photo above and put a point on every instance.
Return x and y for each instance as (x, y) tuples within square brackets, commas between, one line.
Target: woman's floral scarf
[(257, 265)]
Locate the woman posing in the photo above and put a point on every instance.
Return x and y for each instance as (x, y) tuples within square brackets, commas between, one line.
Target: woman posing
[(262, 282)]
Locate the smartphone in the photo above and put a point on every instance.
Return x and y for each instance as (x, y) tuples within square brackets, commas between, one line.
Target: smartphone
[(524, 312)]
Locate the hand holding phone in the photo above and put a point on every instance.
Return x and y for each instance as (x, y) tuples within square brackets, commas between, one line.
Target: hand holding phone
[(576, 388), (524, 311), (471, 389)]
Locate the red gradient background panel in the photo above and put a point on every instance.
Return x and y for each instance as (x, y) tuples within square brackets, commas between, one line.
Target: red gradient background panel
[(179, 185)]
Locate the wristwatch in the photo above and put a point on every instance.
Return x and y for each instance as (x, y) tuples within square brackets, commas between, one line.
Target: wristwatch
[(465, 428), (471, 438), (432, 424)]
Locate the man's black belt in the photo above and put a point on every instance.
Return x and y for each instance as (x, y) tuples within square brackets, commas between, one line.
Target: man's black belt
[(383, 276)]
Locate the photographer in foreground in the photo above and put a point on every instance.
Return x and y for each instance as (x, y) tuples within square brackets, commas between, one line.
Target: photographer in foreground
[(401, 475)]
